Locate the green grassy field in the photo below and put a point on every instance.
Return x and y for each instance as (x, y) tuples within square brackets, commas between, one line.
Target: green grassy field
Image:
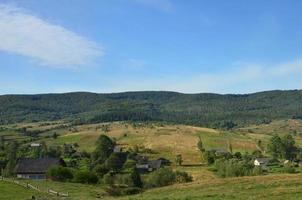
[(9, 191), (168, 141), (205, 186)]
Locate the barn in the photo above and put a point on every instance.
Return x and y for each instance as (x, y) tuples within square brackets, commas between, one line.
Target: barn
[(30, 168)]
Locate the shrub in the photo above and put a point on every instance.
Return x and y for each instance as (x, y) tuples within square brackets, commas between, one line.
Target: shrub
[(257, 170), (161, 177), (289, 169), (136, 179), (120, 190), (131, 191), (129, 164), (234, 168), (59, 173), (109, 179), (85, 177), (116, 161), (209, 156), (113, 191), (101, 170), (182, 177)]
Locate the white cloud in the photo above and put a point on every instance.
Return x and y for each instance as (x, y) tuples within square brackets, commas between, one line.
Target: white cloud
[(163, 5), (240, 77), (48, 44)]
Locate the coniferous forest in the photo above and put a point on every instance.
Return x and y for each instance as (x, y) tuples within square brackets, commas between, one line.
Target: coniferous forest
[(211, 110)]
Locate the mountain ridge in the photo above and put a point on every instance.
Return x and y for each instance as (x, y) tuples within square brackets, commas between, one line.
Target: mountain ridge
[(203, 109)]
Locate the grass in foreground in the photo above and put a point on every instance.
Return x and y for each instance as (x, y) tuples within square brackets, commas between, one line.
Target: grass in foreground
[(9, 191)]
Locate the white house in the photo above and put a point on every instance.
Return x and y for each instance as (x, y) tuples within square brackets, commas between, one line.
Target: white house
[(261, 162), (35, 144)]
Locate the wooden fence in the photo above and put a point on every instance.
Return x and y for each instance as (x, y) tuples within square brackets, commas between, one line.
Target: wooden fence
[(30, 186)]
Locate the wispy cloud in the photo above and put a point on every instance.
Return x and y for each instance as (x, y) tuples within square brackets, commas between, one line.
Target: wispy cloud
[(163, 5), (48, 44), (239, 77)]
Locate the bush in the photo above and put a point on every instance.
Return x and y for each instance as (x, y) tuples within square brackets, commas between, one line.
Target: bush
[(182, 177), (136, 179), (289, 169), (129, 164), (120, 190), (235, 168), (109, 179), (161, 177), (257, 170), (101, 170), (209, 156), (59, 173), (131, 191), (116, 161), (85, 177)]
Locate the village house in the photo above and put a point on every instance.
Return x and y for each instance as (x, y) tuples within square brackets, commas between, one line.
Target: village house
[(35, 145), (150, 166), (117, 149), (29, 168), (220, 151), (262, 162)]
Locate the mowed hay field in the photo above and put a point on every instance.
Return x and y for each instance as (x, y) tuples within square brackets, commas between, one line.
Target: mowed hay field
[(205, 186), (168, 141), (270, 187), (164, 140)]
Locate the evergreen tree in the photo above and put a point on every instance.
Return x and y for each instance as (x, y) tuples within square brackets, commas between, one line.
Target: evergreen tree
[(104, 148), (178, 159), (200, 145), (12, 159), (136, 178), (275, 146), (288, 147), (230, 146), (2, 140)]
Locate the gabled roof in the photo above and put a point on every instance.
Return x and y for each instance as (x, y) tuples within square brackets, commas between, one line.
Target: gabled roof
[(117, 149), (41, 165), (220, 150), (155, 164), (262, 160)]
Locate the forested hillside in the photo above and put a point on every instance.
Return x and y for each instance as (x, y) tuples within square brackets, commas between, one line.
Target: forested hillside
[(214, 110)]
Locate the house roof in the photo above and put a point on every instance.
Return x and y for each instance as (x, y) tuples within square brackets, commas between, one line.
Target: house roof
[(220, 150), (117, 149), (155, 164), (41, 165), (262, 160)]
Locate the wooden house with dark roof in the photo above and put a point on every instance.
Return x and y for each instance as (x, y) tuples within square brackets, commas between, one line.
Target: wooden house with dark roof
[(30, 168)]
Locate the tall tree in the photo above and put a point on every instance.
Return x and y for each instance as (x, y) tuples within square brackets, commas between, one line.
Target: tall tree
[(12, 159), (2, 142), (104, 148), (136, 178), (178, 159), (230, 146), (288, 147), (275, 146), (200, 145)]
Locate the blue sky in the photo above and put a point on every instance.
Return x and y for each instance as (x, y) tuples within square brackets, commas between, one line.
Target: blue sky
[(191, 46)]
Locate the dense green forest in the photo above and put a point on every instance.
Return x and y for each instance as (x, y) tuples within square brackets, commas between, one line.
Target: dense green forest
[(213, 110)]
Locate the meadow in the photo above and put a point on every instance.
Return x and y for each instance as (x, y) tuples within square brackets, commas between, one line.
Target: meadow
[(165, 140)]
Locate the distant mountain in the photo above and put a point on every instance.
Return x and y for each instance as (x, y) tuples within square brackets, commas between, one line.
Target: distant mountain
[(204, 109)]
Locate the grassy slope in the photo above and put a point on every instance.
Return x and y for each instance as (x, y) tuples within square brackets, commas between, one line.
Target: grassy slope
[(9, 191), (166, 141), (169, 140), (262, 187), (205, 186)]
